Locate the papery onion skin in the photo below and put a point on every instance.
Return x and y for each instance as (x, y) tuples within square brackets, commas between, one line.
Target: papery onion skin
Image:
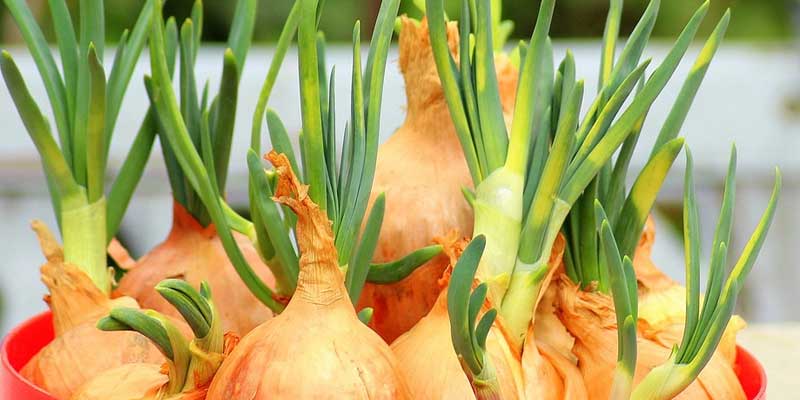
[(422, 170), (129, 382), (80, 350), (316, 348), (549, 368), (589, 317), (194, 253)]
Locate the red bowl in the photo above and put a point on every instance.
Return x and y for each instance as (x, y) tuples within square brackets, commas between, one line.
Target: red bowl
[(21, 344), (27, 339)]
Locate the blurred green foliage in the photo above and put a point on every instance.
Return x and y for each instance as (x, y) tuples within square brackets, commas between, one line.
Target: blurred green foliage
[(751, 19)]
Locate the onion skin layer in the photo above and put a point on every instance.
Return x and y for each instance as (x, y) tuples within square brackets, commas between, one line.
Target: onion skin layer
[(80, 351), (128, 382), (316, 348), (421, 169), (194, 253), (589, 317), (432, 369)]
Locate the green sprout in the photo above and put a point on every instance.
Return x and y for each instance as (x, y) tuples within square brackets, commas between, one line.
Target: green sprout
[(703, 326), (527, 182), (86, 101), (467, 331)]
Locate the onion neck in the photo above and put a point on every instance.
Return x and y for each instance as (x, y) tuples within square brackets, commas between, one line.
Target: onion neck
[(83, 230), (498, 216), (428, 114), (320, 280)]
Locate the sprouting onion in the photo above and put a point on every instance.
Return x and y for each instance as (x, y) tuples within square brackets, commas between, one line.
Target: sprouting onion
[(191, 365), (527, 183), (628, 212), (467, 331), (210, 120), (340, 188), (704, 325), (85, 101)]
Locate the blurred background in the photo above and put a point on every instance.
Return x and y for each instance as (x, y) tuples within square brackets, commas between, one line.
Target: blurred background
[(751, 95)]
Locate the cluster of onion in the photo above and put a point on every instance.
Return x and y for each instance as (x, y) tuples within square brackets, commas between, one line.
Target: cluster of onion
[(318, 345)]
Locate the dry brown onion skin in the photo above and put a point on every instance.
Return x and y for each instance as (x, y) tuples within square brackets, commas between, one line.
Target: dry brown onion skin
[(317, 348), (421, 168), (194, 253), (590, 318)]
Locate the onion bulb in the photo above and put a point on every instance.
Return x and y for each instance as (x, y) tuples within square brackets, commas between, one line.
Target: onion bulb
[(79, 351), (141, 381), (317, 347), (194, 253), (590, 318), (426, 355), (421, 169)]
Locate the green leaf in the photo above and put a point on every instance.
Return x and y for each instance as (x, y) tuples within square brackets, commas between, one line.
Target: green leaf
[(279, 138), (691, 243), (395, 271), (680, 109), (493, 127), (92, 25), (610, 35), (590, 134), (600, 154), (446, 67), (67, 46), (284, 40), (365, 315), (528, 94), (178, 136), (121, 73), (40, 51), (634, 47), (194, 308), (206, 150), (241, 34), (458, 294), (130, 174), (95, 135), (129, 319), (532, 238), (271, 220), (642, 196), (225, 117), (359, 191), (310, 99), (55, 165), (359, 266)]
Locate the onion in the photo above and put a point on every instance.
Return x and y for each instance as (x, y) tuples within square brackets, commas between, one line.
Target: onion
[(194, 253), (140, 381), (80, 350), (317, 347), (429, 364), (425, 147), (590, 318)]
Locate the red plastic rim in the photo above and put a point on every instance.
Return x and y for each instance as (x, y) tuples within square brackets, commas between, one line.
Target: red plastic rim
[(27, 339), (21, 344)]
